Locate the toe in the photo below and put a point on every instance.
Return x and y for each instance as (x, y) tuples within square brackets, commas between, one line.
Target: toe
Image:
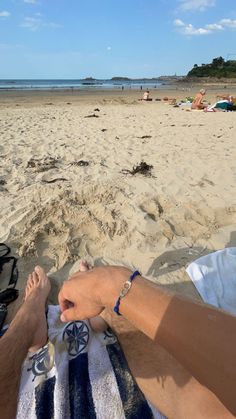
[(40, 272), (35, 278), (29, 279), (27, 289), (28, 285), (84, 266)]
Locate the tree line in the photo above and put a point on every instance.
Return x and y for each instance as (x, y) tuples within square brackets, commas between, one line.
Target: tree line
[(219, 68)]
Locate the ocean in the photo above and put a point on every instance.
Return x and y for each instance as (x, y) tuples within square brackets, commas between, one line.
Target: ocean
[(78, 84)]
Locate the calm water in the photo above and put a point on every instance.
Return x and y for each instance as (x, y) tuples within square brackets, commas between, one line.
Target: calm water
[(77, 84)]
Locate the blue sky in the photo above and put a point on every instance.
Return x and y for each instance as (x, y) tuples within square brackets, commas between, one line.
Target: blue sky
[(106, 38)]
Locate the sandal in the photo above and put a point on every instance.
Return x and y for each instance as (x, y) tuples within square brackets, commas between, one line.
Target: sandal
[(7, 295)]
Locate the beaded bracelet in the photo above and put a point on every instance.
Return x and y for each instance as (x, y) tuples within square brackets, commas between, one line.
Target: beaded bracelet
[(124, 290)]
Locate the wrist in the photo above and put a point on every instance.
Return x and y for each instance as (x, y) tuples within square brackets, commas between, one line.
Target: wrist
[(109, 288)]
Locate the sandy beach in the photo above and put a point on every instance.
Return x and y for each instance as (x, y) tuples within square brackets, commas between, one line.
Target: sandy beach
[(67, 193)]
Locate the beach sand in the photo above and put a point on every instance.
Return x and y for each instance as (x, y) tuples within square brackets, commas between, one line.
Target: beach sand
[(56, 211)]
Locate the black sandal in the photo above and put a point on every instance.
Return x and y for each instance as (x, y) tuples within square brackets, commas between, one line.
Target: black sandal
[(4, 250), (4, 258), (9, 294)]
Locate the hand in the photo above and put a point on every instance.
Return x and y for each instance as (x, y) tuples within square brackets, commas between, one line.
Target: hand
[(86, 294)]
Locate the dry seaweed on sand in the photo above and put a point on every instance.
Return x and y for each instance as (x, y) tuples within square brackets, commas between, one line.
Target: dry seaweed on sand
[(143, 168), (92, 116), (42, 165), (145, 136), (79, 163), (59, 179)]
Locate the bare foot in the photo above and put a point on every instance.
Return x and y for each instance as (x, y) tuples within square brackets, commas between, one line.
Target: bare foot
[(97, 323), (36, 293)]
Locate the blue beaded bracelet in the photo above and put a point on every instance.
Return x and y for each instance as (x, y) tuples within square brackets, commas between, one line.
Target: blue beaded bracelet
[(125, 290)]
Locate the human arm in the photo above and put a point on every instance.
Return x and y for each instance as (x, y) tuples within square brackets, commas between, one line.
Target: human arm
[(222, 97), (200, 337), (198, 99)]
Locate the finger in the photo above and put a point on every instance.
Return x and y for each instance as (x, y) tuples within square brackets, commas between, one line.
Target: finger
[(69, 315), (64, 302), (65, 305)]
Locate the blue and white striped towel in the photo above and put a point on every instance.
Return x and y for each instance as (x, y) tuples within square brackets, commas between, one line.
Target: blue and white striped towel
[(79, 374)]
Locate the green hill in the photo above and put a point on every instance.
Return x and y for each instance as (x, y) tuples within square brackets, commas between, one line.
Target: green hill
[(219, 68)]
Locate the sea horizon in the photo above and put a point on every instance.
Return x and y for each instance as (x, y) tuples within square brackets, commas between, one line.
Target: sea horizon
[(88, 82)]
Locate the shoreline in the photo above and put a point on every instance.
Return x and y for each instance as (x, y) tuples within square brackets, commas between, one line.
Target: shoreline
[(127, 96)]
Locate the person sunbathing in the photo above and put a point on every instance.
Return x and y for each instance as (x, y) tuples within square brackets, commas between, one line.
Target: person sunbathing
[(146, 96), (197, 103), (226, 97), (222, 105), (193, 342)]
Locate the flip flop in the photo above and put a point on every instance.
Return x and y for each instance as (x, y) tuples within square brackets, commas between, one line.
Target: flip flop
[(8, 295), (4, 250)]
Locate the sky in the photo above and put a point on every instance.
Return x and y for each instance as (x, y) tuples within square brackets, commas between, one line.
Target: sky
[(72, 39)]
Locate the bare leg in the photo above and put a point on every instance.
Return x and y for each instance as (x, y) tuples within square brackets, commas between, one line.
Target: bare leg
[(27, 330), (165, 383), (163, 380)]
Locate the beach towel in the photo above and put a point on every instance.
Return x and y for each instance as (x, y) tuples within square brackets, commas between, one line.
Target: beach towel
[(221, 104), (79, 374), (214, 276)]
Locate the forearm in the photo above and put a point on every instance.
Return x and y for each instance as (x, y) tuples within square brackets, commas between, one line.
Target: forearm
[(135, 306), (158, 375), (202, 338)]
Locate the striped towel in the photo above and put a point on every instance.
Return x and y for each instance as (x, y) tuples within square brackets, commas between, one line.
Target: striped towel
[(79, 374)]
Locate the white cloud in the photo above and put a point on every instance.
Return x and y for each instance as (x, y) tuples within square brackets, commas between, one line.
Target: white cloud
[(35, 23), (214, 27), (4, 13), (108, 48), (178, 22), (200, 5), (189, 29), (31, 23), (228, 23)]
